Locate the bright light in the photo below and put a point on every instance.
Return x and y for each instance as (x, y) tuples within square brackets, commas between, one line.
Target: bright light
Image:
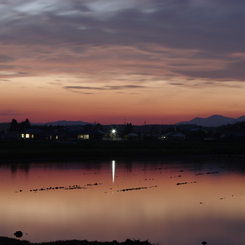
[(113, 131), (113, 169)]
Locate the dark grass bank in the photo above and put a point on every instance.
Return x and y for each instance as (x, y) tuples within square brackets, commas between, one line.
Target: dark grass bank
[(12, 241), (44, 150)]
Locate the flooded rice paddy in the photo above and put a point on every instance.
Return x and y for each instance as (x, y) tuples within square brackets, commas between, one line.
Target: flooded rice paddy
[(165, 201)]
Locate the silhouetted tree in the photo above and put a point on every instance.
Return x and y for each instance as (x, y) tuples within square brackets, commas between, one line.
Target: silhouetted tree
[(98, 126), (27, 123), (24, 125), (14, 126), (128, 129)]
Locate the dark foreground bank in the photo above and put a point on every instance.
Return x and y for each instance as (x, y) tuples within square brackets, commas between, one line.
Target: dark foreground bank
[(12, 241), (51, 150)]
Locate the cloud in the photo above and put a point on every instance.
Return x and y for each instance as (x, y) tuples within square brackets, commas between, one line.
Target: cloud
[(9, 73), (9, 113), (4, 80), (191, 39), (103, 88), (209, 25), (232, 71), (5, 59), (177, 84), (207, 83)]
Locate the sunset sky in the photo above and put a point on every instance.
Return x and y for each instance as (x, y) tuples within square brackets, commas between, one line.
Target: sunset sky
[(116, 61)]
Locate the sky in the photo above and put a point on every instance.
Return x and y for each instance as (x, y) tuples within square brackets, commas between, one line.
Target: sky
[(117, 61)]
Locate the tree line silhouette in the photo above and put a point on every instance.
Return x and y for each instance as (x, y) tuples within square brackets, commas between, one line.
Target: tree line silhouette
[(18, 127)]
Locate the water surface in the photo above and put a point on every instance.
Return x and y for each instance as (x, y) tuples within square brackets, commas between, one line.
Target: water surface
[(166, 202)]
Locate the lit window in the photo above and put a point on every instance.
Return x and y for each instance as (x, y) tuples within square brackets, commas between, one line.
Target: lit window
[(83, 136)]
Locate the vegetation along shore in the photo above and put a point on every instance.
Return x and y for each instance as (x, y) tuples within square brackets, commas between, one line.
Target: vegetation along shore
[(13, 241)]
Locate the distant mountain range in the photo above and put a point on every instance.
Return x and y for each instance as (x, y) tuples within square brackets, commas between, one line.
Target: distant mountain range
[(213, 121)]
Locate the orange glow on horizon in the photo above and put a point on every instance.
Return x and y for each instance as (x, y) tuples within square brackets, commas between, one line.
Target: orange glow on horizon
[(131, 89)]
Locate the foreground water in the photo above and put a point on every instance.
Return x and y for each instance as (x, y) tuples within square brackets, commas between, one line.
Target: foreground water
[(166, 202)]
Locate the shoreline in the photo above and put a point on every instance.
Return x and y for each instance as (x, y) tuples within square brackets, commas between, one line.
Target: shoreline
[(14, 241), (36, 151)]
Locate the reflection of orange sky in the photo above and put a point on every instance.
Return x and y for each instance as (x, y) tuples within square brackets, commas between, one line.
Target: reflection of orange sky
[(49, 88), (141, 213)]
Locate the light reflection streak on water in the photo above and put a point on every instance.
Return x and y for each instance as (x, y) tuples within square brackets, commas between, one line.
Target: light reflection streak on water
[(113, 167), (208, 203)]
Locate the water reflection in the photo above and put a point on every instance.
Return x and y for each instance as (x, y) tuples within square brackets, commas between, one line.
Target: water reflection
[(177, 202), (113, 169)]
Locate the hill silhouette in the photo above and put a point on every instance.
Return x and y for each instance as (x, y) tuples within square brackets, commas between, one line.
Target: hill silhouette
[(213, 121)]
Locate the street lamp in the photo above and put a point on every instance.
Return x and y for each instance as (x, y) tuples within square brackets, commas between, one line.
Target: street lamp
[(113, 133)]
